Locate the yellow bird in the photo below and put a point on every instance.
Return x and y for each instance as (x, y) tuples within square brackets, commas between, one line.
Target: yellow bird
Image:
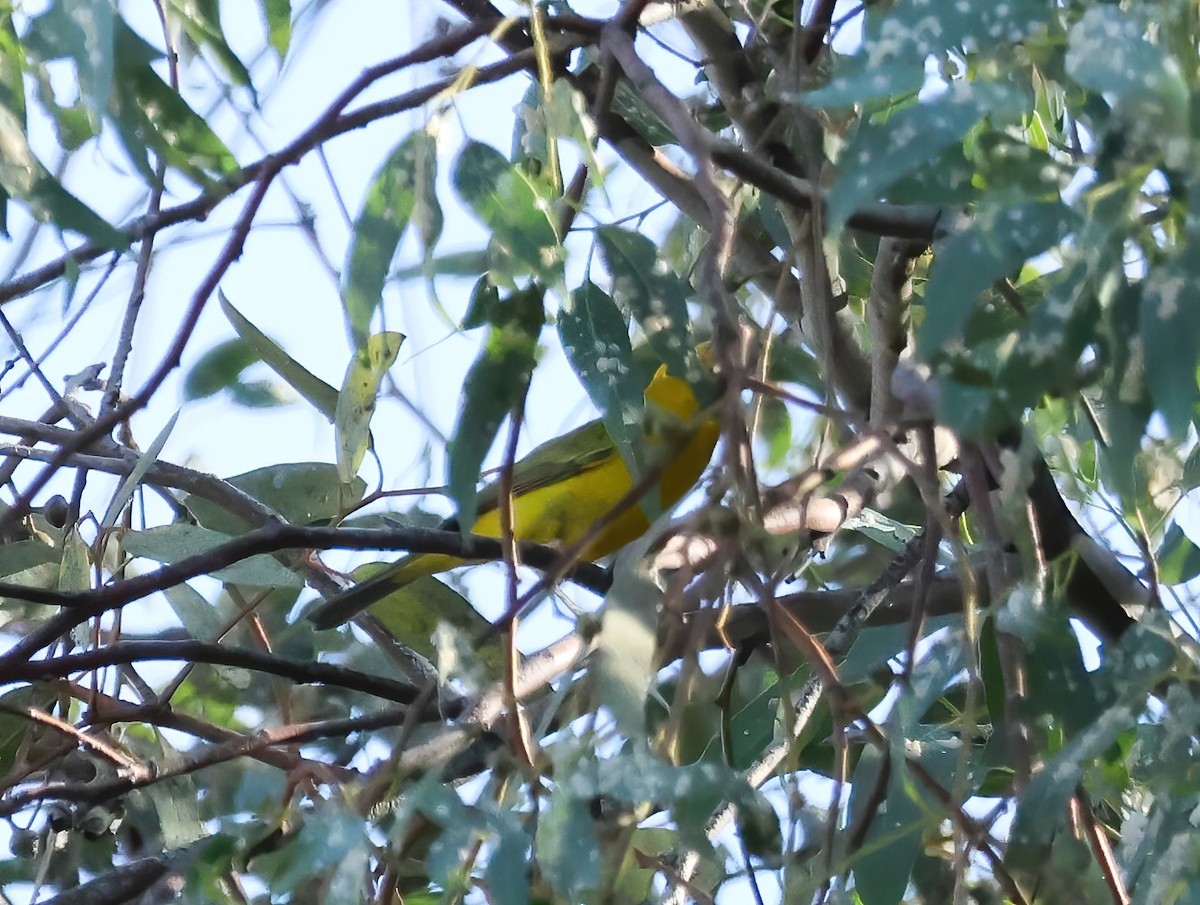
[(562, 487)]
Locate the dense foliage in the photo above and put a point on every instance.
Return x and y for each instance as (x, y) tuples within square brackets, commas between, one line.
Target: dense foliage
[(923, 633)]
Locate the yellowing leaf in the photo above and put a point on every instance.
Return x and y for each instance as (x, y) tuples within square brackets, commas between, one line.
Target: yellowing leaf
[(356, 401)]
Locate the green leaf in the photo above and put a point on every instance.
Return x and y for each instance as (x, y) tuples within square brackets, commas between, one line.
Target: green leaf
[(1147, 87), (327, 836), (968, 262), (1045, 798), (881, 153), (145, 460), (260, 394), (881, 871), (507, 876), (1170, 324), (278, 15), (172, 543), (151, 116), (356, 401), (14, 726), (195, 613), (303, 493), (893, 842), (595, 338), (496, 382), (12, 65), (17, 556), (1178, 557), (74, 569), (645, 285), (454, 264), (321, 395), (218, 368), (752, 726), (202, 23), (22, 176), (625, 667), (83, 32), (878, 644), (865, 77), (413, 613), (567, 852), (381, 223), (886, 532), (518, 210), (917, 28)]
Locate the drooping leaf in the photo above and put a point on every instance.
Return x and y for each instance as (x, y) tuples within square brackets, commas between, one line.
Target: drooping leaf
[(278, 15), (150, 116), (201, 21), (73, 570), (218, 369), (380, 225), (495, 383), (567, 851), (321, 395), (646, 286), (328, 836), (595, 338), (517, 209), (82, 31), (1170, 323), (17, 556), (625, 666), (1178, 557), (1109, 53), (412, 615), (145, 461), (356, 401), (22, 176), (12, 66)]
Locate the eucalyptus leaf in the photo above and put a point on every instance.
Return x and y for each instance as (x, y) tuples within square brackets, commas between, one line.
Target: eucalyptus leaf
[(646, 287), (389, 205), (357, 399), (173, 543)]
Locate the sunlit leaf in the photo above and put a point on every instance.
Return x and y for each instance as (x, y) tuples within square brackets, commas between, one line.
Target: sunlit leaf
[(357, 399), (518, 211)]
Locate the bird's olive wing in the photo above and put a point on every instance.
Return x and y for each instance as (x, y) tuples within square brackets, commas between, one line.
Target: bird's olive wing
[(556, 460)]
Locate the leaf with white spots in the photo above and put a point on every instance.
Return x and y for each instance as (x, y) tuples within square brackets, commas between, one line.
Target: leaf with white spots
[(881, 153), (518, 208), (1145, 85), (1170, 328), (595, 338), (899, 39), (645, 285), (968, 262)]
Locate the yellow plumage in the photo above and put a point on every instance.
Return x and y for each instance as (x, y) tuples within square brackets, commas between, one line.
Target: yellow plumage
[(562, 487)]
